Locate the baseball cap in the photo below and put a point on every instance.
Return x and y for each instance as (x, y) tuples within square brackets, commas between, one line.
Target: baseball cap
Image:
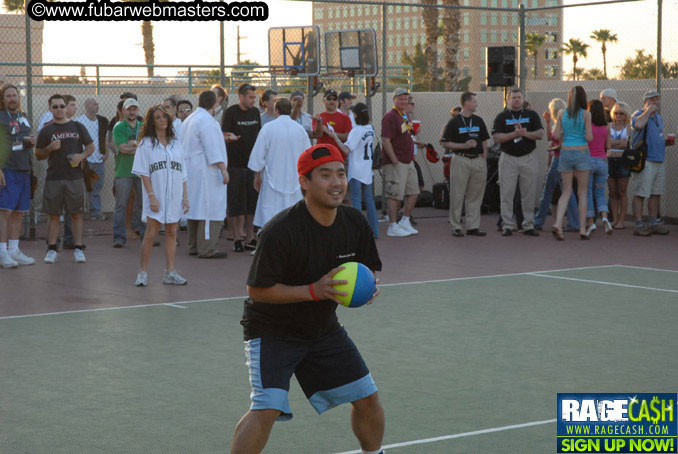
[(432, 154), (329, 93), (650, 94), (297, 94), (316, 155), (610, 93), (129, 102), (128, 94), (346, 95), (400, 91)]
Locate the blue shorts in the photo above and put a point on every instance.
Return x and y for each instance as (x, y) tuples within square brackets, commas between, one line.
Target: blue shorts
[(617, 168), (574, 160), (16, 195), (330, 371)]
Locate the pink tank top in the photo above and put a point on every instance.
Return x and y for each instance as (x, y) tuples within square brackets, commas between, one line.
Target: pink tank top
[(597, 145)]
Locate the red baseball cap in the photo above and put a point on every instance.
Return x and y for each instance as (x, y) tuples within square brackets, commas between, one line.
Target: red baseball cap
[(431, 154), (316, 155)]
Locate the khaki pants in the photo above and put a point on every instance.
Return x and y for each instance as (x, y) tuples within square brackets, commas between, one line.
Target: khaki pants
[(467, 182), (196, 237), (523, 170)]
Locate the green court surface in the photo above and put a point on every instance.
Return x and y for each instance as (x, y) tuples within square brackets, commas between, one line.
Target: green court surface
[(452, 359)]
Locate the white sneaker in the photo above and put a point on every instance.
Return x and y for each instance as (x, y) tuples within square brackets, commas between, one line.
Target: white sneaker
[(79, 256), (397, 230), (21, 258), (173, 278), (51, 256), (142, 279), (591, 229), (407, 226), (6, 261)]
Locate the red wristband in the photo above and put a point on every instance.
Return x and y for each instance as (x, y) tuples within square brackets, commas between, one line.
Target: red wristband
[(310, 288)]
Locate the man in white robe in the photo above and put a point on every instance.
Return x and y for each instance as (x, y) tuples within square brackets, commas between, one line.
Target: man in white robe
[(274, 158), (206, 164)]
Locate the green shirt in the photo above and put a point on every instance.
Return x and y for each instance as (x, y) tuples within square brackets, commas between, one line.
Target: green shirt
[(123, 133)]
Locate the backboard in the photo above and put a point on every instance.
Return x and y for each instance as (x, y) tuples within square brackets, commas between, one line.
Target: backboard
[(351, 52), (294, 50)]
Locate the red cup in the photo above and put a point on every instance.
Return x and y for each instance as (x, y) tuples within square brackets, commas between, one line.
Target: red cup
[(670, 139), (416, 124)]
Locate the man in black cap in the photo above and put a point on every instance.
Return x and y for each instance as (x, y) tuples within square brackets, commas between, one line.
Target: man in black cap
[(345, 103), (333, 120)]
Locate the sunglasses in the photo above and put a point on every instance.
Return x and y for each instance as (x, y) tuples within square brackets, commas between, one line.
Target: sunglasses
[(188, 109), (331, 99), (59, 106)]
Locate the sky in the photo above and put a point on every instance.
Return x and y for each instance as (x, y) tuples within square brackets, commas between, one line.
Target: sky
[(198, 42)]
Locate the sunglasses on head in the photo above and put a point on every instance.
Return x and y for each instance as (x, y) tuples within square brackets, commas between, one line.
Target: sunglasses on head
[(59, 106)]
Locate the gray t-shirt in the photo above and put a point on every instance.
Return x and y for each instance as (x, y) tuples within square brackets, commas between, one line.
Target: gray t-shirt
[(14, 127), (265, 118)]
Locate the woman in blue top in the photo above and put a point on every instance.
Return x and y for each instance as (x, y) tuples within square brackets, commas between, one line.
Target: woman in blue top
[(573, 129)]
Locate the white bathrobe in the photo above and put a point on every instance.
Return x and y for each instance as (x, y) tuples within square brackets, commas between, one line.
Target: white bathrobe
[(276, 151), (204, 147)]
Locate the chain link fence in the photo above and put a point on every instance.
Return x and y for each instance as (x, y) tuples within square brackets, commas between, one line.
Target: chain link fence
[(436, 50)]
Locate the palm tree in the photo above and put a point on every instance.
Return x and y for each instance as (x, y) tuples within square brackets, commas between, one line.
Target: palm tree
[(576, 48), (148, 45), (452, 23), (604, 36), (430, 17), (533, 41)]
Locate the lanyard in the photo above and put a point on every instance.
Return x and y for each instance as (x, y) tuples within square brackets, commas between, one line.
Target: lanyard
[(407, 123), (470, 123), (520, 116)]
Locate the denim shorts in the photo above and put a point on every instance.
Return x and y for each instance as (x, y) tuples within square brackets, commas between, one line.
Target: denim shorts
[(617, 168), (574, 160)]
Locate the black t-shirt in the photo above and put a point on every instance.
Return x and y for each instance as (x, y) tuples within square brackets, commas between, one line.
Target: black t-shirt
[(293, 250), (461, 129), (505, 123), (243, 123), (13, 129), (74, 137)]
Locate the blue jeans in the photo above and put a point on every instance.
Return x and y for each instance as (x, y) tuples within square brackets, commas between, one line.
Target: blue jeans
[(97, 185), (597, 185), (123, 190), (356, 188), (553, 179)]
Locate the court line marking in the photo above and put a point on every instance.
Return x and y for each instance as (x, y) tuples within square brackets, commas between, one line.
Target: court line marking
[(244, 297), (606, 283), (460, 435), (175, 305), (649, 268)]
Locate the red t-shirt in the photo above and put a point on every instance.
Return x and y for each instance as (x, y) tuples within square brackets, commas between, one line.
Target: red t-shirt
[(340, 122), (393, 127)]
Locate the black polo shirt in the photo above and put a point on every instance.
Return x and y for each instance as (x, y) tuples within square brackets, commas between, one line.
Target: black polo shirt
[(505, 123), (461, 129)]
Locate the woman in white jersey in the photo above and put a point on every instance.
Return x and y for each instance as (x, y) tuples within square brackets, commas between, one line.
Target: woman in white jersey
[(159, 161), (618, 179), (360, 148)]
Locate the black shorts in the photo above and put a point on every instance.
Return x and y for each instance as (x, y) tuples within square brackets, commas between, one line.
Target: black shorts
[(60, 195), (242, 197), (330, 371)]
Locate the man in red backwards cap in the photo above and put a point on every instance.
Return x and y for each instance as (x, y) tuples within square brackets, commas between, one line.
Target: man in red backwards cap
[(289, 321)]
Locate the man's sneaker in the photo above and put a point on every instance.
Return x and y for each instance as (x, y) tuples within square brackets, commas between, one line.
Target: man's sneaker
[(118, 243), (507, 232), (397, 230), (405, 225), (21, 258), (238, 246), (6, 261), (173, 278), (252, 245), (656, 229), (79, 256), (51, 256), (642, 230), (142, 279)]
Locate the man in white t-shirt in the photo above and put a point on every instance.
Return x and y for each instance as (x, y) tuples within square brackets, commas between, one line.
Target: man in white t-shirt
[(345, 99), (96, 125)]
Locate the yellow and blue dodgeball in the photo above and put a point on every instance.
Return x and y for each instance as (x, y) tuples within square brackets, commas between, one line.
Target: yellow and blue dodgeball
[(361, 284)]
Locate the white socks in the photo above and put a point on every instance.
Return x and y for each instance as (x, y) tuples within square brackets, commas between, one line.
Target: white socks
[(3, 247), (13, 245)]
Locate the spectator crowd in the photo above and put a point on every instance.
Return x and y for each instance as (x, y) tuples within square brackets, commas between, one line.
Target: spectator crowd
[(216, 167)]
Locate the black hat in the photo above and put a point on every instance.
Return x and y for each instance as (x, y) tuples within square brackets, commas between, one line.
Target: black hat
[(346, 95), (329, 93)]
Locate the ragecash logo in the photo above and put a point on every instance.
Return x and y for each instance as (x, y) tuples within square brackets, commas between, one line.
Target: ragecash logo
[(625, 423)]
